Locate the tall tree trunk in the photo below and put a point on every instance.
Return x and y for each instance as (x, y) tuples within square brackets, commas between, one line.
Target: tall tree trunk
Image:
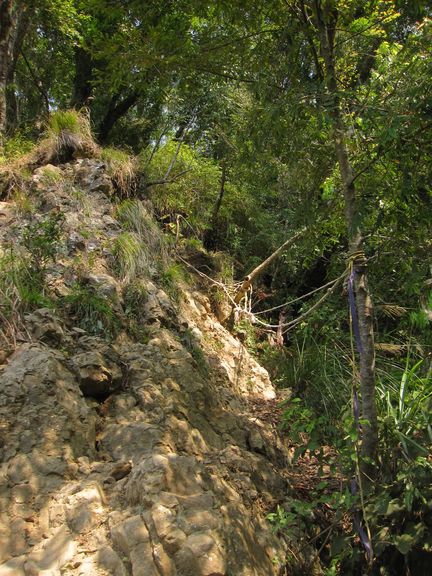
[(116, 110), (6, 28), (326, 20), (220, 195), (21, 24), (212, 235), (82, 87)]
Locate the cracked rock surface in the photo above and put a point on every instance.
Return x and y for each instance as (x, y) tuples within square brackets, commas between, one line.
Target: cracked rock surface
[(135, 459)]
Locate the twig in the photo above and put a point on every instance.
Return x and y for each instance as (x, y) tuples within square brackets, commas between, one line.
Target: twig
[(36, 80), (169, 180)]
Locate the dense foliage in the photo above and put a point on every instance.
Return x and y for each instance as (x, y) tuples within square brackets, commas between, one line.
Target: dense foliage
[(243, 123)]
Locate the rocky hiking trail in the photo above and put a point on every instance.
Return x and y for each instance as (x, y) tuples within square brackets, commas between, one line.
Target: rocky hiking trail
[(124, 458)]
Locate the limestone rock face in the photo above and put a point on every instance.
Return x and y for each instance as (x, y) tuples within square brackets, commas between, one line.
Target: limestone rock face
[(134, 458), (92, 177), (98, 375)]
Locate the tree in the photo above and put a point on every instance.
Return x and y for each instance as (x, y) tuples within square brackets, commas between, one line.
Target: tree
[(326, 18), (6, 31)]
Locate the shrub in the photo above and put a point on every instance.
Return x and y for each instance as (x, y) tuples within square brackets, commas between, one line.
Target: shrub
[(193, 194)]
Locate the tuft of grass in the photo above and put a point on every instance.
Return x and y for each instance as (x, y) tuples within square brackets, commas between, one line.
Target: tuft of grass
[(14, 176), (21, 290), (131, 258), (134, 298), (69, 120), (140, 249), (91, 312), (68, 136), (122, 167), (16, 147), (170, 279), (404, 396)]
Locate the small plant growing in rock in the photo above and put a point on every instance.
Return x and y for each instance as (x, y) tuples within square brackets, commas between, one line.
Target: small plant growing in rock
[(50, 175), (23, 267), (23, 203), (20, 291), (41, 238), (193, 346), (170, 277), (92, 312), (134, 298)]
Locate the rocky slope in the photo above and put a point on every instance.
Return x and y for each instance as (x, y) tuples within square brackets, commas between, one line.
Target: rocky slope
[(124, 457)]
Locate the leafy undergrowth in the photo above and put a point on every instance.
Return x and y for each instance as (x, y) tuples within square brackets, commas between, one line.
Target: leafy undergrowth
[(329, 507)]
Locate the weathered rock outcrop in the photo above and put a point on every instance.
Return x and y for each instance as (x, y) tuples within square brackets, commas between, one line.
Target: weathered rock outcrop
[(127, 458)]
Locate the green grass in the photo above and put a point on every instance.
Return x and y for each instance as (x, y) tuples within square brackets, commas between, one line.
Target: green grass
[(140, 249), (130, 257), (69, 120), (91, 312), (170, 278)]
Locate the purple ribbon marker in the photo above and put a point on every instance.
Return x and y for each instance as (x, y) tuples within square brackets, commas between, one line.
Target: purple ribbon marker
[(353, 311)]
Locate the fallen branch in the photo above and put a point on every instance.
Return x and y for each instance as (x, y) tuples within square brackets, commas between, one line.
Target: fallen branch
[(247, 282)]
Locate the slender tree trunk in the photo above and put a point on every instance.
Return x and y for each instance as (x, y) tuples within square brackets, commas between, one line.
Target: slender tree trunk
[(212, 234), (326, 26), (22, 20), (220, 195), (82, 87), (176, 153), (6, 29)]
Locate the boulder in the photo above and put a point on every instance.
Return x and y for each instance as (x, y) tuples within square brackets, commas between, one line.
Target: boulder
[(98, 375)]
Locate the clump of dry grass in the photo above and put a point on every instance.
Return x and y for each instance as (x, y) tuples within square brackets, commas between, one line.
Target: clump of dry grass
[(68, 136), (123, 170), (14, 177), (140, 250)]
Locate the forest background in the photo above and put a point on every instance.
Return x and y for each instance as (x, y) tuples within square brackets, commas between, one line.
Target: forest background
[(246, 124)]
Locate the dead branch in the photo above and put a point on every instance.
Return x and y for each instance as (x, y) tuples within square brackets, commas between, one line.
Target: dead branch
[(248, 281)]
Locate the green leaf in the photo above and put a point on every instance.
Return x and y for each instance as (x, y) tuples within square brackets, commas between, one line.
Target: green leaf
[(404, 543)]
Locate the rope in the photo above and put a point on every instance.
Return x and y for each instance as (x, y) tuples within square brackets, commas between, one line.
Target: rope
[(292, 323), (299, 298), (286, 325)]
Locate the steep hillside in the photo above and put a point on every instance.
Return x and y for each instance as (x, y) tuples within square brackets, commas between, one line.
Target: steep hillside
[(134, 435)]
